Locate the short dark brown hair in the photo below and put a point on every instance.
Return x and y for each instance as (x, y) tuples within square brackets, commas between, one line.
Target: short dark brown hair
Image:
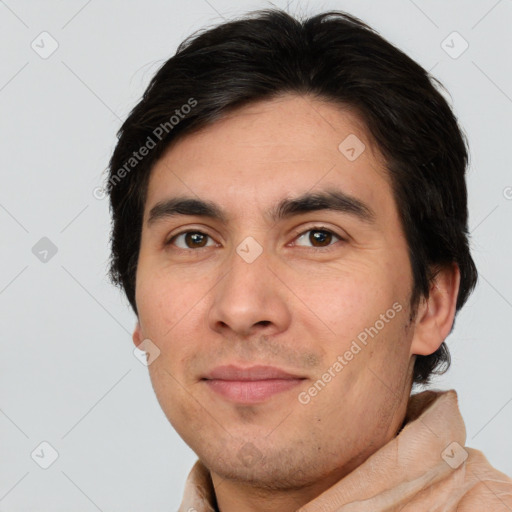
[(331, 56)]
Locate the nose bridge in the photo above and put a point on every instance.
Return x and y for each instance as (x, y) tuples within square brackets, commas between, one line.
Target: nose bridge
[(247, 264), (248, 294)]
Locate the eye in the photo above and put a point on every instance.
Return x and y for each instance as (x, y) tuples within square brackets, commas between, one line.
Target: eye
[(189, 240), (319, 237)]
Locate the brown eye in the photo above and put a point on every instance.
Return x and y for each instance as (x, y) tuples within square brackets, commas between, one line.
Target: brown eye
[(319, 237), (189, 240)]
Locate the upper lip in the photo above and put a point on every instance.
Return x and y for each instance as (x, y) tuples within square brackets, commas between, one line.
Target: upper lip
[(258, 372)]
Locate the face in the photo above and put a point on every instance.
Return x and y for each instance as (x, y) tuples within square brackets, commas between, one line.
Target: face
[(319, 291)]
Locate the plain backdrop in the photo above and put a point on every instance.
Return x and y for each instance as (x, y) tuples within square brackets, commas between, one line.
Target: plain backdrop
[(70, 72)]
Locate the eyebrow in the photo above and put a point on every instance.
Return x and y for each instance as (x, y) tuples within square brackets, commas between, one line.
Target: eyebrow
[(335, 200)]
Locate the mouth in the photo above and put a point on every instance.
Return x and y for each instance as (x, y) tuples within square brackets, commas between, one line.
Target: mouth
[(251, 385)]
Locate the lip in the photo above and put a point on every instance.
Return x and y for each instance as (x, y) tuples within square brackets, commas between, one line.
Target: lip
[(257, 372), (250, 385)]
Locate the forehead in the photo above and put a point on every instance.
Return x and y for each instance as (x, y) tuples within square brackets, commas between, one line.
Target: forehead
[(269, 150)]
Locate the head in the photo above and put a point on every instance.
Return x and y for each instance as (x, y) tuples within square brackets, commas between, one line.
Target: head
[(297, 199)]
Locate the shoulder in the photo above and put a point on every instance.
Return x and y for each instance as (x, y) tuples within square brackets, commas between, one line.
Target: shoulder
[(486, 487)]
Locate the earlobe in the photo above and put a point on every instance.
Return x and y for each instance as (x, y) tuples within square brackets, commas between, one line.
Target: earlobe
[(137, 334), (436, 314)]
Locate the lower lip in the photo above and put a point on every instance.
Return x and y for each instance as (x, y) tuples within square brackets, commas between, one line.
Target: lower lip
[(251, 391)]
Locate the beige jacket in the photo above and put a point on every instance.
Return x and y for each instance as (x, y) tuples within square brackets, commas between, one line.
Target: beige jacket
[(425, 468)]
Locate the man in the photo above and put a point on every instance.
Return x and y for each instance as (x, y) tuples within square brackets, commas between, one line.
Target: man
[(290, 227)]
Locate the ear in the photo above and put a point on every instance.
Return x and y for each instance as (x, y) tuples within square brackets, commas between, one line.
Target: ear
[(434, 319), (137, 336)]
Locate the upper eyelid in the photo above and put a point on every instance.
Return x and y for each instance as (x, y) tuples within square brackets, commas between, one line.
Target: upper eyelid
[(316, 228), (188, 231)]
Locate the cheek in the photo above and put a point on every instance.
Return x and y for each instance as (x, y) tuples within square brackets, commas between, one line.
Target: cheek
[(346, 299), (173, 314), (175, 397), (165, 302)]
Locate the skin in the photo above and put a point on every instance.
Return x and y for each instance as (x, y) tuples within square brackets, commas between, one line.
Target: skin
[(297, 306)]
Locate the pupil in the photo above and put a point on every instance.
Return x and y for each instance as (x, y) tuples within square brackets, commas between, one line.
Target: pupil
[(320, 236)]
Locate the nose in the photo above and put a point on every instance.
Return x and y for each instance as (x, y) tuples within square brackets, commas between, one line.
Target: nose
[(250, 299)]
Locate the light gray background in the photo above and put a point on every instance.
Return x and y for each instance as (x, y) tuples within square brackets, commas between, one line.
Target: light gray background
[(68, 375)]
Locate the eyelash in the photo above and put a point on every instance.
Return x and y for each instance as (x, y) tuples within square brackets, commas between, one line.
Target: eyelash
[(298, 234)]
